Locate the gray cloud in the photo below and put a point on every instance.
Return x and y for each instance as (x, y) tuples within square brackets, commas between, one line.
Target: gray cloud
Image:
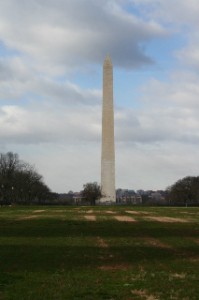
[(5, 71), (183, 12), (69, 33), (19, 81), (65, 93)]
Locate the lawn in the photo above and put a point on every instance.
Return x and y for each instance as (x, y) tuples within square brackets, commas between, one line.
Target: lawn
[(99, 253)]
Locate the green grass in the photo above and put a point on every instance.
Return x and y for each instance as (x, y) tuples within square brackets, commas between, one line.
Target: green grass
[(56, 253)]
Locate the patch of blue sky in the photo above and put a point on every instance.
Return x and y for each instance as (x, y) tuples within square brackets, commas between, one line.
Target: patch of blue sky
[(6, 51), (134, 9), (127, 87), (9, 102), (163, 51), (89, 78)]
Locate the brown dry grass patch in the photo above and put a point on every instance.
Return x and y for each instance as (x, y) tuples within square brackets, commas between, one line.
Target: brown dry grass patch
[(115, 267), (196, 240), (132, 212), (187, 213), (110, 212), (144, 294), (139, 213), (28, 217), (124, 219), (194, 259), (156, 243), (179, 276), (39, 210), (90, 218), (89, 211), (101, 243), (167, 219)]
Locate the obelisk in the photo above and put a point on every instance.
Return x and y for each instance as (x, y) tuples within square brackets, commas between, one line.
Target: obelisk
[(108, 144)]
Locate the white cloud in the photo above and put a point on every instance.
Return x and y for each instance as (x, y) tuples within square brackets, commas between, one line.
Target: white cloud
[(44, 124), (190, 54), (155, 167)]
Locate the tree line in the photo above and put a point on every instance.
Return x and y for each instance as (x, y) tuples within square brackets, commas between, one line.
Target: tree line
[(20, 182), (184, 192)]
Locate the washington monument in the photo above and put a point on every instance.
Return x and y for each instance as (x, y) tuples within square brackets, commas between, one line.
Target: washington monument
[(108, 145)]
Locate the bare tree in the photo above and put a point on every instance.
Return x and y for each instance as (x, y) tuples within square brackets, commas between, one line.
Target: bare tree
[(184, 191), (92, 192), (19, 181)]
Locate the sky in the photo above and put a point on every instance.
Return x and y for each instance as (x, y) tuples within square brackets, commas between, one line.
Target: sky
[(51, 57)]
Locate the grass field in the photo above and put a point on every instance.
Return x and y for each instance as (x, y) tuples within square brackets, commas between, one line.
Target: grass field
[(99, 253)]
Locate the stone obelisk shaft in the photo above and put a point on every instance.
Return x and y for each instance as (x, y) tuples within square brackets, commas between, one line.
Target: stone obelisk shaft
[(108, 145)]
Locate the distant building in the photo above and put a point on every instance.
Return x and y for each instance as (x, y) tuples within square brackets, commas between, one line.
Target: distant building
[(125, 196)]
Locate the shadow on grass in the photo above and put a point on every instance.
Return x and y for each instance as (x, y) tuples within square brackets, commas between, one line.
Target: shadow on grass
[(73, 228), (33, 253), (37, 258)]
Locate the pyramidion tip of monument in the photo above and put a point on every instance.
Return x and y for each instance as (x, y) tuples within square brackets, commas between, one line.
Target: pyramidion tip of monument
[(107, 60)]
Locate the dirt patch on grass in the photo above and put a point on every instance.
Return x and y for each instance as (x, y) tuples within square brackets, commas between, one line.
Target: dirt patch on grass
[(195, 240), (144, 294), (115, 267), (28, 217), (110, 212), (132, 212), (194, 259), (156, 243), (179, 276), (90, 218), (39, 210), (186, 213), (124, 219), (167, 219), (101, 243), (90, 211)]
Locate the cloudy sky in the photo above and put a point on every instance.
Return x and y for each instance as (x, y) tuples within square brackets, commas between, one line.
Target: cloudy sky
[(51, 56)]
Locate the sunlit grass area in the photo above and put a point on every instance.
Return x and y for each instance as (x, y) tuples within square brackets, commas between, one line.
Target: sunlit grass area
[(99, 253)]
